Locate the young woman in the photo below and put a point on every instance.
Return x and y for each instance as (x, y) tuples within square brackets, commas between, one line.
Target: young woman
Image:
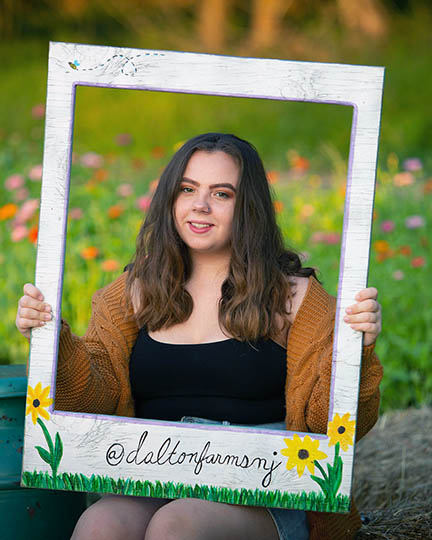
[(230, 315)]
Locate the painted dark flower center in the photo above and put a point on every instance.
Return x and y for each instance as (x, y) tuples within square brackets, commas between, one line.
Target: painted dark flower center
[(36, 403), (303, 454), (341, 429)]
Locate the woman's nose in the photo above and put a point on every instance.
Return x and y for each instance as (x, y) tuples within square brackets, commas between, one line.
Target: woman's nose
[(201, 204)]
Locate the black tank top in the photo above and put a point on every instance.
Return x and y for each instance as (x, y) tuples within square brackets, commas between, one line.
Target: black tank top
[(242, 382)]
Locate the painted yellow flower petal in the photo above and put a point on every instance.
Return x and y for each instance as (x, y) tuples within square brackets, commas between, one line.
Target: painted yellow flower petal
[(45, 393), (37, 401), (341, 430), (44, 414), (302, 453)]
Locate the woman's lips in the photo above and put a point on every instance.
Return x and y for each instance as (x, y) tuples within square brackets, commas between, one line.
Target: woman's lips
[(200, 230)]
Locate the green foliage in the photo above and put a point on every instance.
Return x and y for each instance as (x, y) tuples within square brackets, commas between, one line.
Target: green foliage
[(170, 490)]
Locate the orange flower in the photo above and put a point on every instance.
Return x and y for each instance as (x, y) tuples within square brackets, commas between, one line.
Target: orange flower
[(427, 188), (110, 265), (90, 252), (115, 211), (153, 185), (381, 246), (7, 211), (158, 152), (375, 215), (381, 257), (278, 206), (300, 163), (403, 179), (306, 211), (273, 177), (405, 250), (100, 175), (33, 234), (138, 163)]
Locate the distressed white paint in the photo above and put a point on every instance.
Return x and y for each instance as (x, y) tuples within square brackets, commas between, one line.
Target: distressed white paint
[(86, 440)]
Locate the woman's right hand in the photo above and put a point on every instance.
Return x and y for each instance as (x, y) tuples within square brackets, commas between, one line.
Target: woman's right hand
[(32, 310)]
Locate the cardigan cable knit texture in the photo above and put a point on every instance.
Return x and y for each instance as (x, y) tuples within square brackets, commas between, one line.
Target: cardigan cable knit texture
[(93, 376)]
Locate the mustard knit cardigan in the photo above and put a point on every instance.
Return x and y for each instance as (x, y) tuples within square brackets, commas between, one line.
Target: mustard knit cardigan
[(93, 376)]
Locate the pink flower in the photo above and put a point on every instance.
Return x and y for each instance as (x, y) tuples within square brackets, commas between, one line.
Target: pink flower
[(418, 262), (387, 226), (14, 181), (414, 222), (21, 194), (143, 203), (329, 238), (124, 139), (412, 164), (35, 173), (125, 190), (92, 160), (398, 275), (18, 233), (38, 111), (26, 211), (75, 213)]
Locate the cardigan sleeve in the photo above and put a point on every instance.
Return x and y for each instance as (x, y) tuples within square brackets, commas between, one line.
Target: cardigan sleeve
[(309, 357), (86, 379)]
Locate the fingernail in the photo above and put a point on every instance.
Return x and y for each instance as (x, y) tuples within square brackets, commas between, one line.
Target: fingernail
[(346, 319), (47, 308), (348, 310), (40, 297), (47, 317)]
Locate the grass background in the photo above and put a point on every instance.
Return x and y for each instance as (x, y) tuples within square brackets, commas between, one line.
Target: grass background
[(156, 122)]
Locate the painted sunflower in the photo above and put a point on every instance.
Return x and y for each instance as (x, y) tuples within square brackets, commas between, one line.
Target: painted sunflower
[(37, 400), (302, 453), (341, 430)]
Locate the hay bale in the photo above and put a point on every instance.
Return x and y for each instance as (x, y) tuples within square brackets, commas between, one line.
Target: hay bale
[(393, 477)]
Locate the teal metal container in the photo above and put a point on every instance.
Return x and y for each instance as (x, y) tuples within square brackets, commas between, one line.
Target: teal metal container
[(39, 514)]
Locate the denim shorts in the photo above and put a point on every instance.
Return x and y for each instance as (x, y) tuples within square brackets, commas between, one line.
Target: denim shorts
[(290, 524)]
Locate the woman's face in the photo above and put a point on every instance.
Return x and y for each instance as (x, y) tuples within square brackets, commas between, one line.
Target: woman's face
[(204, 208)]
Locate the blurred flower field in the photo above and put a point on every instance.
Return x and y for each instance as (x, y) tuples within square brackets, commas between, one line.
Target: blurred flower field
[(111, 193)]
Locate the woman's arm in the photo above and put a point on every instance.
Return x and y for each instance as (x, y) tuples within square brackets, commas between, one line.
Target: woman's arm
[(310, 351), (86, 379)]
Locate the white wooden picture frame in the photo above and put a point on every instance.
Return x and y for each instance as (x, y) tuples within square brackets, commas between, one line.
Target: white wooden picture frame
[(100, 453)]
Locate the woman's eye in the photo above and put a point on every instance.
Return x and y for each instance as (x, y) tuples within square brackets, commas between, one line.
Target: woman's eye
[(222, 194), (186, 189)]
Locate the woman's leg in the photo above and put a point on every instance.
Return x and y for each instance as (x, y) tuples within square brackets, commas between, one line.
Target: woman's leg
[(117, 518), (196, 519)]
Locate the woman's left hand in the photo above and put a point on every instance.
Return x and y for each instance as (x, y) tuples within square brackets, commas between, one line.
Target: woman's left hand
[(365, 316)]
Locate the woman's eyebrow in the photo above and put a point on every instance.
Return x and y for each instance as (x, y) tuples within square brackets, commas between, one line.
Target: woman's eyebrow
[(212, 186)]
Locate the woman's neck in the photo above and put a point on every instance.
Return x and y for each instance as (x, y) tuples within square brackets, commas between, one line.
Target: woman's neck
[(209, 269)]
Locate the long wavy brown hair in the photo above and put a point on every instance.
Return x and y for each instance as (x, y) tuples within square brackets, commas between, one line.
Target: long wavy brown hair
[(257, 287)]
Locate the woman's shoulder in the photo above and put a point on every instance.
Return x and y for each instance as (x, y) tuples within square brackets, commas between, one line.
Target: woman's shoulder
[(299, 288), (113, 292)]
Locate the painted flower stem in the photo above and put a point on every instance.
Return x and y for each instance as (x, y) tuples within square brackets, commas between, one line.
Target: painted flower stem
[(53, 455), (331, 481)]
